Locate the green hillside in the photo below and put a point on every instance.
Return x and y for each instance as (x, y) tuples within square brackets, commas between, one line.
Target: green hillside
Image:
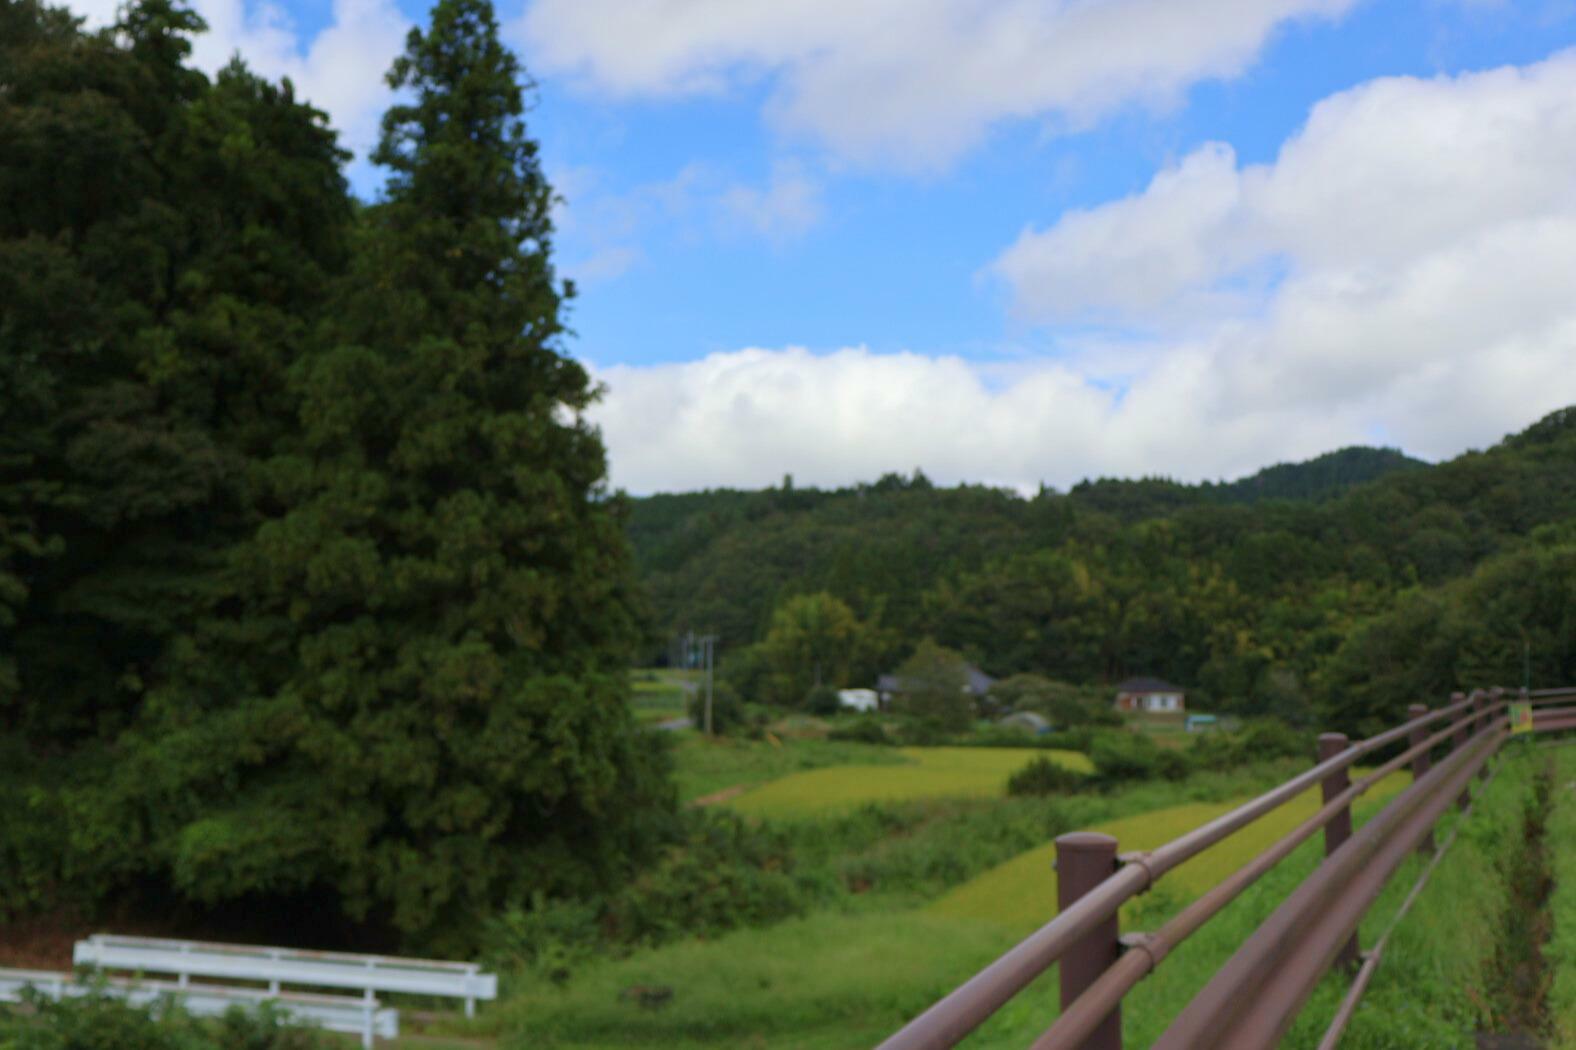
[(1242, 591)]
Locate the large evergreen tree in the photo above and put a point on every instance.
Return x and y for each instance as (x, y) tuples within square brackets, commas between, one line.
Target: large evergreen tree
[(414, 696)]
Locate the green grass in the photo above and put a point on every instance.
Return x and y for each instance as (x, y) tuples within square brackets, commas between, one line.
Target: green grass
[(1434, 986), (1560, 952), (926, 772), (703, 766), (826, 981)]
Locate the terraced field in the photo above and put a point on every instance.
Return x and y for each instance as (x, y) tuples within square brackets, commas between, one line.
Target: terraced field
[(926, 772)]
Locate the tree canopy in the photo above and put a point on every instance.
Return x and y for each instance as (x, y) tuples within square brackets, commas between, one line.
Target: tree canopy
[(308, 570)]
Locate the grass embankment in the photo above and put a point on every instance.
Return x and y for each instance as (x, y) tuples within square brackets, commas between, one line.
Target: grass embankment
[(1560, 952), (924, 772), (1440, 981)]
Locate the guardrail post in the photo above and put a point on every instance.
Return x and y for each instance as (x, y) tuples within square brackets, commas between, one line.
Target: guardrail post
[(1084, 859), (1458, 740), (1339, 829), (1495, 695), (1420, 764)]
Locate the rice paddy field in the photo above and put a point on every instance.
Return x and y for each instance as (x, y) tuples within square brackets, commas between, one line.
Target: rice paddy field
[(921, 772)]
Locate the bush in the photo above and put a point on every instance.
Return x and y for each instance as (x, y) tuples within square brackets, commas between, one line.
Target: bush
[(861, 731), (724, 872), (99, 1021), (822, 700), (728, 714), (923, 732), (1119, 757), (1044, 777), (1261, 741)]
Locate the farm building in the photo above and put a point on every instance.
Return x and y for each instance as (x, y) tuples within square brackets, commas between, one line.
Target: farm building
[(858, 699), (1150, 694)]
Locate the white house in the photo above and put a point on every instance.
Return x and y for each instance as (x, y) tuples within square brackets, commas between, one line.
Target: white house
[(1150, 694)]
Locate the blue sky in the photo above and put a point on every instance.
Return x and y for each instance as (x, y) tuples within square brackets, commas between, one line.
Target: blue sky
[(1025, 241)]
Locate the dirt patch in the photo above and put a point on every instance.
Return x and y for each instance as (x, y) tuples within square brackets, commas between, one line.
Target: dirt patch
[(717, 798)]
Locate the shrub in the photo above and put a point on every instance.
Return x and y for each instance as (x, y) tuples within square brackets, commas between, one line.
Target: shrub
[(822, 700), (722, 873), (1120, 757), (1261, 741), (861, 731), (98, 1021), (1172, 765), (923, 732), (1044, 777), (728, 713)]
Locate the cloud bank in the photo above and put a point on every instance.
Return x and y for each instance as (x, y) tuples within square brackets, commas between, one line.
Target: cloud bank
[(1400, 273), (912, 83)]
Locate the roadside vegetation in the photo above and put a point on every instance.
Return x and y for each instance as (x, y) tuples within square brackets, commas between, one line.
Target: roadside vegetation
[(1560, 951)]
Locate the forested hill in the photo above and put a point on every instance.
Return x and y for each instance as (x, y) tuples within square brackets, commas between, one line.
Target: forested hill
[(1242, 590)]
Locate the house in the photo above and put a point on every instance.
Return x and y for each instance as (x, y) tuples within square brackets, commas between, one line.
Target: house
[(858, 699), (975, 682), (1150, 694)]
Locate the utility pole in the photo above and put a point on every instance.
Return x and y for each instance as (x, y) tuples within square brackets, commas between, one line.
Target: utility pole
[(709, 656)]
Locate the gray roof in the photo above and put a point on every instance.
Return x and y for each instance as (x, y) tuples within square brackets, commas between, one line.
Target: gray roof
[(977, 682), (1147, 685)]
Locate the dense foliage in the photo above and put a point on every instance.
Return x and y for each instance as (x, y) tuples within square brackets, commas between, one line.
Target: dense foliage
[(1332, 589), (308, 573)]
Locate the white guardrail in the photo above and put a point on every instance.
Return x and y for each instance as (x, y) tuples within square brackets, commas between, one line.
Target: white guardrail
[(277, 966), (339, 1013)]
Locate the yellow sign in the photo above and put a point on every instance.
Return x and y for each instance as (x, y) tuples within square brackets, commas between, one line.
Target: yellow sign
[(1520, 717)]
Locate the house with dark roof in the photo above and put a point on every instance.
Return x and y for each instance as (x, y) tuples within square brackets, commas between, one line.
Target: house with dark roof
[(1150, 694), (975, 682)]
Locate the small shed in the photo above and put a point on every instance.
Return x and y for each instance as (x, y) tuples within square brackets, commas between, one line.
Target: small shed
[(1150, 694), (858, 699), (1029, 721)]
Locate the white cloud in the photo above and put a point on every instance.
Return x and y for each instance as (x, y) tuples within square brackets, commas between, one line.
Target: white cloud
[(603, 231), (911, 82), (786, 207), (1402, 267), (339, 71)]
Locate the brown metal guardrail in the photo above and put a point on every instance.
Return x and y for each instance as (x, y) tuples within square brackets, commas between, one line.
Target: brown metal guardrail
[(1252, 999)]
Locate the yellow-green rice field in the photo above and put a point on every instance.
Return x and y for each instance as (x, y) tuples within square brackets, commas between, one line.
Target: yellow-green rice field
[(1021, 894), (927, 772)]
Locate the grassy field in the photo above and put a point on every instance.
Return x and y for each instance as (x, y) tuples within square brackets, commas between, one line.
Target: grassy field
[(657, 696), (928, 772)]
